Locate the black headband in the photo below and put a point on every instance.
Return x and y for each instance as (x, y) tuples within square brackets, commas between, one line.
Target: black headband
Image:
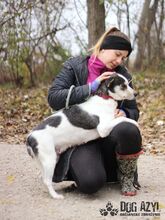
[(116, 43)]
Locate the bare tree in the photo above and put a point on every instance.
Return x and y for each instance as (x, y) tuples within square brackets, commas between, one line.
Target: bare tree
[(159, 52), (95, 20), (143, 58), (28, 31)]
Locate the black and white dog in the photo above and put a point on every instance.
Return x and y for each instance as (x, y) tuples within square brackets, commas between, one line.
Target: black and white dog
[(79, 124)]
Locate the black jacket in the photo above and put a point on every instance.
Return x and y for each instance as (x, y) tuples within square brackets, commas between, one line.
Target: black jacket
[(75, 72)]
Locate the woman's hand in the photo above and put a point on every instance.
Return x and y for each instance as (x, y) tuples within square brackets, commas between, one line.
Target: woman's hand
[(96, 83), (104, 76), (119, 113)]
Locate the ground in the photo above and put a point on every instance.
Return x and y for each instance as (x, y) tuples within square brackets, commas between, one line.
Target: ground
[(23, 195)]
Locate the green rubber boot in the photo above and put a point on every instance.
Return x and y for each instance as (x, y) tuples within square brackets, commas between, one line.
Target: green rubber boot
[(126, 171)]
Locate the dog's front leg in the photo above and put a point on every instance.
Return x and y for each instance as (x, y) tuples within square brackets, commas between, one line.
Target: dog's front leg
[(104, 129), (120, 119)]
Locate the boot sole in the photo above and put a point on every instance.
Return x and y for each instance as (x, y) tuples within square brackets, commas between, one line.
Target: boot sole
[(129, 193)]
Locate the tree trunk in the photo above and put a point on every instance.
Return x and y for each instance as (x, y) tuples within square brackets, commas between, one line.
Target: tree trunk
[(128, 19), (28, 62), (159, 52), (95, 20), (143, 58)]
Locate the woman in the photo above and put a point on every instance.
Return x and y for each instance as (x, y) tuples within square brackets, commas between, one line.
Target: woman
[(106, 159)]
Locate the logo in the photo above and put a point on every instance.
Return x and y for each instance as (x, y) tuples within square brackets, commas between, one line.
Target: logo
[(143, 208), (109, 210)]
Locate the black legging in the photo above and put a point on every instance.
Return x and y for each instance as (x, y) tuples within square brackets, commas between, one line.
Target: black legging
[(94, 163)]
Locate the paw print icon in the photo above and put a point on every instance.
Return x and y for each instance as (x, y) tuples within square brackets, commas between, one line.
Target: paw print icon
[(109, 206), (109, 210), (103, 212), (114, 212)]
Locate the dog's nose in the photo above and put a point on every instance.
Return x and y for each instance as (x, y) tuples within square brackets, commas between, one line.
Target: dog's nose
[(135, 93)]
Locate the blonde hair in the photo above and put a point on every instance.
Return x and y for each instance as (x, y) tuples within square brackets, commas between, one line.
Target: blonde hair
[(113, 32)]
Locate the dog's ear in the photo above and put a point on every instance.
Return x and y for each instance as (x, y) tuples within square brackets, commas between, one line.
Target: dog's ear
[(109, 81)]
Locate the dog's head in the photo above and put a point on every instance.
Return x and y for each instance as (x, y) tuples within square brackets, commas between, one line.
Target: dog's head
[(117, 86)]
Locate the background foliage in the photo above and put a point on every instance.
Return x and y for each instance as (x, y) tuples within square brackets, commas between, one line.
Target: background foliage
[(36, 37)]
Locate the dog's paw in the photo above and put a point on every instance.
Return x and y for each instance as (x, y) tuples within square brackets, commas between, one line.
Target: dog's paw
[(132, 121), (104, 131), (103, 212), (57, 196)]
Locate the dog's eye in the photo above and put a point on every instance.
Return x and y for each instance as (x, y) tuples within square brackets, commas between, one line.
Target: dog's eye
[(123, 86)]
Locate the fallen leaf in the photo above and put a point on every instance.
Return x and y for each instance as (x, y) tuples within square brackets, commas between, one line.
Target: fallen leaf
[(10, 179)]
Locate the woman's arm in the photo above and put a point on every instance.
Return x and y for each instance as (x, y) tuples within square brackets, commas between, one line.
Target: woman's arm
[(130, 108), (58, 92)]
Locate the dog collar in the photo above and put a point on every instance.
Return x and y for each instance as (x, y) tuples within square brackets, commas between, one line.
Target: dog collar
[(105, 96)]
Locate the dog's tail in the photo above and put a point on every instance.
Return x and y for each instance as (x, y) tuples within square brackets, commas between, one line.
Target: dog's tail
[(31, 144)]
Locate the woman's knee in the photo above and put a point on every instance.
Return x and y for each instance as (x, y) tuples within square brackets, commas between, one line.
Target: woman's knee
[(91, 184), (127, 137), (87, 168), (126, 130)]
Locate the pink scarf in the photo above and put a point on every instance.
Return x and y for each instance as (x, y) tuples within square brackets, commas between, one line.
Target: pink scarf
[(95, 68)]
